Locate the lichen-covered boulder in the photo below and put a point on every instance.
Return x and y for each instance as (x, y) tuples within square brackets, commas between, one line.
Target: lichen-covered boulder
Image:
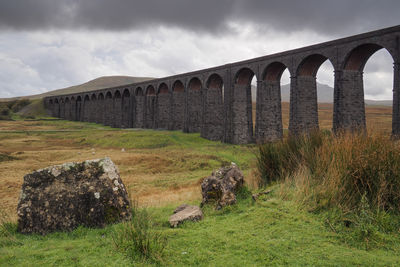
[(62, 197), (222, 186), (184, 213)]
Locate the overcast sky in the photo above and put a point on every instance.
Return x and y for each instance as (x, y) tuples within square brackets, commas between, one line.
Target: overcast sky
[(48, 44)]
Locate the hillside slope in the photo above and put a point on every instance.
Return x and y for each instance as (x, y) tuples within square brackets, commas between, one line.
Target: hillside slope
[(98, 83)]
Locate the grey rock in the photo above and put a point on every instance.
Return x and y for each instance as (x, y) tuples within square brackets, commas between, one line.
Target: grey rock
[(183, 213), (222, 186), (62, 197)]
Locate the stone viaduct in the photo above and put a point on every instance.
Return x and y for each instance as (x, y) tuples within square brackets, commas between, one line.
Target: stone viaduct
[(217, 101)]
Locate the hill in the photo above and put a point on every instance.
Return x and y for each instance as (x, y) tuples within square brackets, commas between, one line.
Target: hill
[(324, 94), (98, 83)]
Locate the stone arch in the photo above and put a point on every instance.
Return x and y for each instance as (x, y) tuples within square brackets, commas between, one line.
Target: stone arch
[(100, 109), (150, 101), (67, 108), (194, 105), (242, 109), (86, 108), (213, 109), (117, 110), (150, 91), (139, 108), (163, 107), (126, 109), (79, 108), (178, 106), (73, 108), (269, 123), (56, 109), (62, 108), (93, 108), (356, 59), (349, 111), (304, 107), (108, 109), (139, 91), (163, 89)]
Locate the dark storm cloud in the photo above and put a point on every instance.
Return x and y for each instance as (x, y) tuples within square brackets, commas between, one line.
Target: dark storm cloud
[(328, 17), (207, 15)]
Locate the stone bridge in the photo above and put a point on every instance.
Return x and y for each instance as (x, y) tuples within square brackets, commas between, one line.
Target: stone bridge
[(217, 101)]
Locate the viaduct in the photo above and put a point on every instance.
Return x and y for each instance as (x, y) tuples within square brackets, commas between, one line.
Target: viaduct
[(217, 101)]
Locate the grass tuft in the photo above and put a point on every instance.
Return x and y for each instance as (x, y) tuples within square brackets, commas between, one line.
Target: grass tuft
[(137, 238)]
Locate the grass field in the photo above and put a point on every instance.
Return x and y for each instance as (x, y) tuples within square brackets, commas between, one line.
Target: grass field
[(163, 169)]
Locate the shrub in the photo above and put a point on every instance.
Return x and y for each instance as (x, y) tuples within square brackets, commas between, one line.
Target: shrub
[(336, 172), (138, 239), (277, 160)]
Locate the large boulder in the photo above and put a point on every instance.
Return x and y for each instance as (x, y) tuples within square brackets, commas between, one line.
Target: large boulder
[(222, 186), (184, 213), (62, 197)]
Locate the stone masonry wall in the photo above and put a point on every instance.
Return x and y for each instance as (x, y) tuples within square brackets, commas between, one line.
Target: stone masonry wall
[(163, 110)]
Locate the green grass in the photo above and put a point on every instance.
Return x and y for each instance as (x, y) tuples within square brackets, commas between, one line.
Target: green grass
[(269, 232), (275, 230)]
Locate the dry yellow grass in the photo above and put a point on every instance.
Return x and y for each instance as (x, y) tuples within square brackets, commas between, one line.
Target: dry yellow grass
[(153, 176), (378, 117)]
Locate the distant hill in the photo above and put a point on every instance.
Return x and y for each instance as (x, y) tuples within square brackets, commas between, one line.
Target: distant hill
[(99, 83), (324, 95)]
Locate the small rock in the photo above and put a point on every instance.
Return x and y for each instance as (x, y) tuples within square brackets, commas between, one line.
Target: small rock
[(93, 153), (183, 213), (123, 150)]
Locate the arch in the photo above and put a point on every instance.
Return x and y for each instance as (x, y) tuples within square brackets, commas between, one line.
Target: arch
[(195, 84), (126, 121), (150, 90), (244, 76), (117, 94), (162, 116), (274, 71), (73, 109), (117, 109), (139, 91), (309, 66), (269, 122), (149, 107), (162, 89), (79, 108), (194, 106), (86, 108), (178, 106), (62, 108), (92, 108), (67, 108), (349, 112), (242, 108), (356, 59), (215, 81), (178, 87), (139, 108), (213, 109), (100, 108), (305, 115), (108, 109)]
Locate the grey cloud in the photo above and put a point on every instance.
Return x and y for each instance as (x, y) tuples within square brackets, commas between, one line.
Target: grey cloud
[(327, 17), (206, 15)]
